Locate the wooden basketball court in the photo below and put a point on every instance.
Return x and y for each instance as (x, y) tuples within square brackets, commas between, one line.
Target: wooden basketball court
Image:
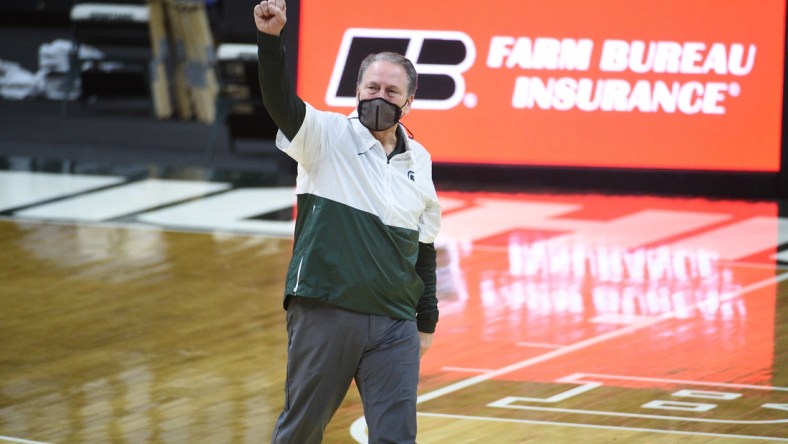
[(564, 318)]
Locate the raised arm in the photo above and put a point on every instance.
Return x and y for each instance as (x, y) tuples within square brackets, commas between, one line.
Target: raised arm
[(280, 100)]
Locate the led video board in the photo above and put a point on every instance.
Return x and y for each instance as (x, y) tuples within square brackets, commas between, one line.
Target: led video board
[(669, 84)]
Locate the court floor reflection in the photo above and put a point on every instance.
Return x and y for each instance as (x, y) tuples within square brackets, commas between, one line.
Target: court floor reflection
[(573, 317)]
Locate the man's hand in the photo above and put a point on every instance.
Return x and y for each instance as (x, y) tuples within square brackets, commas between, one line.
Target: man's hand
[(425, 340), (270, 16)]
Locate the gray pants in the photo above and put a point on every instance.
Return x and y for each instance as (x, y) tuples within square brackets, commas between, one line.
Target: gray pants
[(328, 348)]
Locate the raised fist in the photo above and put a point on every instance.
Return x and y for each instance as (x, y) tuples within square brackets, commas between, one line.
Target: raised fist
[(270, 16)]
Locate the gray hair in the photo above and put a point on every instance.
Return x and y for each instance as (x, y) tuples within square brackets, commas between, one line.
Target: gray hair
[(392, 57)]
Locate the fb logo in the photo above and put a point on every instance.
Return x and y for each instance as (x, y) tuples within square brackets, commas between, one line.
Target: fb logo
[(440, 58)]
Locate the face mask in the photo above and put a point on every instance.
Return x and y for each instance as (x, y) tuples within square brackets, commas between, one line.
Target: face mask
[(378, 114)]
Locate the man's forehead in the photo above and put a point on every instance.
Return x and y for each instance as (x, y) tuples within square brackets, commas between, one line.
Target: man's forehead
[(385, 69)]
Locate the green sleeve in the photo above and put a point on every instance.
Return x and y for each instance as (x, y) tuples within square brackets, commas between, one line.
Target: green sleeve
[(427, 307), (280, 100)]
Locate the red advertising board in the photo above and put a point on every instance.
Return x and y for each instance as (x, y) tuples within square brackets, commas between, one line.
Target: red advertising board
[(668, 84)]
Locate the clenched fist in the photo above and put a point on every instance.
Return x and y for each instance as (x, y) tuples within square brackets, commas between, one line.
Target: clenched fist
[(270, 16)]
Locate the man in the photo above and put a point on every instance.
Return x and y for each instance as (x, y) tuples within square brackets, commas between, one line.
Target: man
[(360, 288)]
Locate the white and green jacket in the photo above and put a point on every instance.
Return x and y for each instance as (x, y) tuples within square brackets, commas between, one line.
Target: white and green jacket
[(366, 222)]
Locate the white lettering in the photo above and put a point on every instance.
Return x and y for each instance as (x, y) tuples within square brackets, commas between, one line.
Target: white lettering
[(677, 58), (691, 56), (640, 61), (668, 57), (623, 95), (716, 60), (712, 98), (500, 47), (737, 56), (588, 96), (706, 394), (510, 401), (664, 98), (575, 54), (615, 95), (641, 97), (615, 56), (546, 52), (522, 54), (690, 98), (530, 91), (520, 97), (698, 407), (565, 94), (585, 94), (540, 53)]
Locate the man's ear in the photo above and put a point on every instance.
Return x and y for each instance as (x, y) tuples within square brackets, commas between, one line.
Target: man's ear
[(408, 104)]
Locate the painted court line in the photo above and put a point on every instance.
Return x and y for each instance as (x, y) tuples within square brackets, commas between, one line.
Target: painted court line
[(25, 441), (466, 369), (538, 345), (587, 343), (578, 378), (538, 359), (601, 427), (640, 415)]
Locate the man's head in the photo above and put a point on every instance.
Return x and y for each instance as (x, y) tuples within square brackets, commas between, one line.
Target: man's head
[(387, 75)]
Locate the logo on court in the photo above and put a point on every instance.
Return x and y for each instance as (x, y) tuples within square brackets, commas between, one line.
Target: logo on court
[(440, 58)]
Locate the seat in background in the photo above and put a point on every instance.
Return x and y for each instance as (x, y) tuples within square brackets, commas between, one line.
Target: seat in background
[(239, 104), (120, 31)]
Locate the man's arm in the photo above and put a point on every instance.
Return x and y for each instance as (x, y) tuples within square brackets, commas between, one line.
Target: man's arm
[(427, 307), (286, 109)]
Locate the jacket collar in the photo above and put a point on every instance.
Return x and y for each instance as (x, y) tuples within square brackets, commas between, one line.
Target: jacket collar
[(368, 141)]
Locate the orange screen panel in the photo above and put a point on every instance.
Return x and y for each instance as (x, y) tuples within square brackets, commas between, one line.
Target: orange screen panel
[(669, 84)]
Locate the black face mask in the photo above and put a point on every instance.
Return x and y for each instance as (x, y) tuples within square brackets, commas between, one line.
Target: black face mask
[(378, 114)]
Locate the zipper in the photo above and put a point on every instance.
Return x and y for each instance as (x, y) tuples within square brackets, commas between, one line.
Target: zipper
[(388, 193)]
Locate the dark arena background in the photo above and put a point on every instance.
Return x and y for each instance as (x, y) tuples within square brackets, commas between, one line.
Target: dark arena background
[(612, 177)]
